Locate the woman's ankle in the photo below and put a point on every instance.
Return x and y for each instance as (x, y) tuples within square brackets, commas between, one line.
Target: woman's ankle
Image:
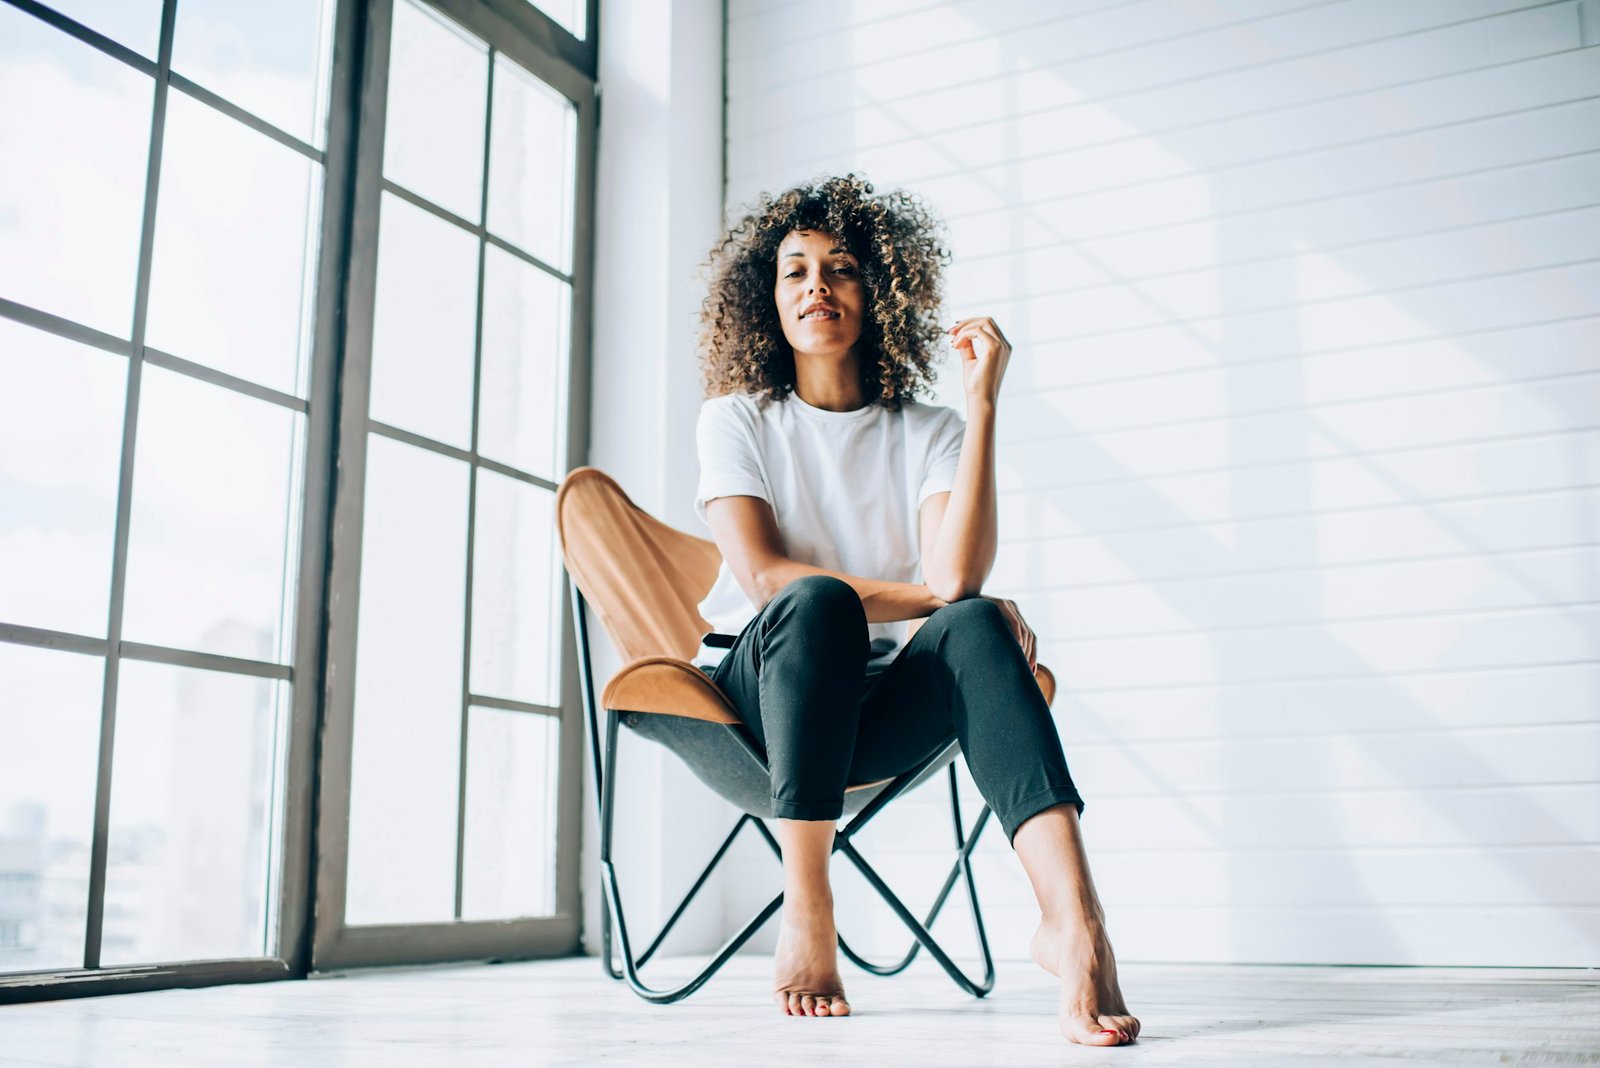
[(807, 904), (1078, 916)]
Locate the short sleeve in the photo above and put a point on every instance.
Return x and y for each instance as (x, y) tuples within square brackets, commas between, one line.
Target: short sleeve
[(730, 456), (944, 453)]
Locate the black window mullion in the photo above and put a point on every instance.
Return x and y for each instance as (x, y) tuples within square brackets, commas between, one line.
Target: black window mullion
[(98, 41), (472, 500), (95, 918), (479, 229), (55, 324), (205, 96)]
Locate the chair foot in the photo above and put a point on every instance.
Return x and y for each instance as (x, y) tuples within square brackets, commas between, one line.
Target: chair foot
[(630, 966)]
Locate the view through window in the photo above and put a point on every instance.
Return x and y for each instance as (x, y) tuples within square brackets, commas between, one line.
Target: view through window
[(173, 265)]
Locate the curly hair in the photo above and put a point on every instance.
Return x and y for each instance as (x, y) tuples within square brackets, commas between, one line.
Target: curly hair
[(896, 241)]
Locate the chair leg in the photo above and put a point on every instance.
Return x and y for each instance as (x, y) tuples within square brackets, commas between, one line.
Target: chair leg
[(933, 913), (612, 900), (683, 905), (961, 867), (586, 683), (606, 956)]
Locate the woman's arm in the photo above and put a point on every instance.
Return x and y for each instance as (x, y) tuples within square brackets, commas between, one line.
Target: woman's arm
[(964, 548), (747, 533)]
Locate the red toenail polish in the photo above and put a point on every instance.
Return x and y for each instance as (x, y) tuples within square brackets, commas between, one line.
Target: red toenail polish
[(1109, 1032)]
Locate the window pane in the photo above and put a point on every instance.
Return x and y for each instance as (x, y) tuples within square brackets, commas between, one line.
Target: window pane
[(424, 324), (74, 140), (270, 59), (60, 451), (571, 14), (523, 403), (510, 856), (50, 723), (533, 148), (438, 85), (135, 24), (194, 812), (516, 603), (407, 744), (232, 274), (212, 538)]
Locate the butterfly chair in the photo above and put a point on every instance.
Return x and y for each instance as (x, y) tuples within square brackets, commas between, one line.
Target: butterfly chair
[(644, 580)]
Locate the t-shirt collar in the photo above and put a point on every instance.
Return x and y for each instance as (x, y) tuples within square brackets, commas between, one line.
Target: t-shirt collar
[(822, 413)]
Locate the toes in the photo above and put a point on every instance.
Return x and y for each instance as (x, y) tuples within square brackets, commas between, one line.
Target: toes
[(1128, 1025), (1091, 1032), (797, 1003)]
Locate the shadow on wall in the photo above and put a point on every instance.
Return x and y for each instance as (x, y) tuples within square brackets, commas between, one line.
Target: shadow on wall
[(1308, 300)]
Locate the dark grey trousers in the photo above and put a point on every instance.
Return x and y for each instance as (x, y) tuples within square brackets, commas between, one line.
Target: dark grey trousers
[(797, 677)]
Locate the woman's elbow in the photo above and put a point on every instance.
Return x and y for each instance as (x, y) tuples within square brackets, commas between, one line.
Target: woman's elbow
[(952, 588), (760, 585)]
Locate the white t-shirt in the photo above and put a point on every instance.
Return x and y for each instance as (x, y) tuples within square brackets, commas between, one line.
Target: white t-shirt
[(846, 488)]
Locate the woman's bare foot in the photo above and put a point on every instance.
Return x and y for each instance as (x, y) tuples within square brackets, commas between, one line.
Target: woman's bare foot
[(806, 979), (1092, 1010)]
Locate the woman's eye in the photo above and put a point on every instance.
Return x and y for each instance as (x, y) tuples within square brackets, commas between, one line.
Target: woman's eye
[(845, 269), (793, 274)]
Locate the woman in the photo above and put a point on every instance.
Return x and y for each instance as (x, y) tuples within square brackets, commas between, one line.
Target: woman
[(843, 508)]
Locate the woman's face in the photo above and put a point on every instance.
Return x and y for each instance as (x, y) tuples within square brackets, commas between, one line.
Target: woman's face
[(819, 293)]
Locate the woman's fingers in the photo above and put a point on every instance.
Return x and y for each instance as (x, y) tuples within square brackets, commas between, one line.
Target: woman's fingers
[(1026, 636), (1020, 630), (980, 322), (963, 338), (965, 335), (994, 346)]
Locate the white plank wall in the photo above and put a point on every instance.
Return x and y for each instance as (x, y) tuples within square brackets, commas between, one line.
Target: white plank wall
[(1299, 463)]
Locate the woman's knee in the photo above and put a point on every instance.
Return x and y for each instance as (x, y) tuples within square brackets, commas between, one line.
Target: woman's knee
[(971, 614), (975, 623), (821, 593), (820, 597)]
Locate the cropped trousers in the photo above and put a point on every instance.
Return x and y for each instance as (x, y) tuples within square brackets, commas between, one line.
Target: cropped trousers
[(797, 676)]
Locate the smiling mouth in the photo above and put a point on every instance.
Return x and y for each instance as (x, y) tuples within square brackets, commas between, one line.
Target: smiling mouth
[(820, 315)]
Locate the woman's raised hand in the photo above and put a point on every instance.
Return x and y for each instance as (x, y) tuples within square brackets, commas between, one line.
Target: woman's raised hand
[(984, 353)]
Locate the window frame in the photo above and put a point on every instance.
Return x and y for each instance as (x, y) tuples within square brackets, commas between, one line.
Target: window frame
[(312, 839), (336, 944)]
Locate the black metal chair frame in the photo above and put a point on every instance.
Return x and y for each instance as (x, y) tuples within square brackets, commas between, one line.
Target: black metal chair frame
[(614, 938)]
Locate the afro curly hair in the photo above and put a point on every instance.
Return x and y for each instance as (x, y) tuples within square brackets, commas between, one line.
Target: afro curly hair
[(896, 241)]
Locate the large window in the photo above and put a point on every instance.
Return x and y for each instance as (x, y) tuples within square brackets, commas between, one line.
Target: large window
[(293, 300), (450, 727)]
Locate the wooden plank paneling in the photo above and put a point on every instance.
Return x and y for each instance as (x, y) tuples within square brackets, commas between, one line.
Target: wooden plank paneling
[(1299, 450)]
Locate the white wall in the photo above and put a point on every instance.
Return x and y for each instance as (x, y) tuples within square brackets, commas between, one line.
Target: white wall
[(659, 210), (1298, 460)]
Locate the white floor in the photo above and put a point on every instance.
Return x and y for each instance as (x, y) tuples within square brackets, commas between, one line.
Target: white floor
[(566, 1013)]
